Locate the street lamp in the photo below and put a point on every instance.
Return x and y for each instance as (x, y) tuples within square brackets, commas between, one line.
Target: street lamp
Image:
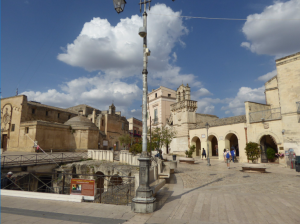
[(208, 159), (144, 202), (119, 5)]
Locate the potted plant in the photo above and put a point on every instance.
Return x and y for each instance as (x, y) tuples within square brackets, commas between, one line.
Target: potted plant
[(189, 153), (252, 151), (271, 154)]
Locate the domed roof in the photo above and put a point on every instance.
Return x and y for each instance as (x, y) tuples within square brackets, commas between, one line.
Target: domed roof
[(80, 121)]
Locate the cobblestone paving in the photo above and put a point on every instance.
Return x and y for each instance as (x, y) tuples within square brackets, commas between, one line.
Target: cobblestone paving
[(277, 180)]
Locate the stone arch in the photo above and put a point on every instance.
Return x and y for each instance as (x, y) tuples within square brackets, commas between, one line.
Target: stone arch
[(233, 132), (267, 141), (196, 142), (213, 144), (100, 182), (116, 180), (232, 140), (272, 134)]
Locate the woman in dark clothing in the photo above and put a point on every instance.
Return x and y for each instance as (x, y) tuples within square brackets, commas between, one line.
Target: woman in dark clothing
[(203, 153)]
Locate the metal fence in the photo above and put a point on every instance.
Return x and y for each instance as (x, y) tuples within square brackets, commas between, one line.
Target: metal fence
[(265, 115), (110, 189), (40, 159)]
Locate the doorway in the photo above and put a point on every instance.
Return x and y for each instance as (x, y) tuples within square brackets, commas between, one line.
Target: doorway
[(267, 141), (4, 143)]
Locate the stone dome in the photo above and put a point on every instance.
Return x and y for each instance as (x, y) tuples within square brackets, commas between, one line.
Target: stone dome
[(81, 122)]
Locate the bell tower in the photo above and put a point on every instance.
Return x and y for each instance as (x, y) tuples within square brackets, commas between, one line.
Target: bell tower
[(183, 117)]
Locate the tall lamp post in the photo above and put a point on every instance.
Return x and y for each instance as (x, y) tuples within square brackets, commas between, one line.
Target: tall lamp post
[(144, 202), (208, 159)]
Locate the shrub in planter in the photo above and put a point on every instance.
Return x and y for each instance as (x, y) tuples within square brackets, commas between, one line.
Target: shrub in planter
[(189, 153), (252, 151), (271, 154)]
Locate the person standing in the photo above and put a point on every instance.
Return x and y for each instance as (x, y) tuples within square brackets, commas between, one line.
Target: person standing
[(224, 155), (203, 153), (228, 158), (6, 181)]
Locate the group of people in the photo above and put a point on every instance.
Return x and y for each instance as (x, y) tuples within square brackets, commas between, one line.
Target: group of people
[(228, 155)]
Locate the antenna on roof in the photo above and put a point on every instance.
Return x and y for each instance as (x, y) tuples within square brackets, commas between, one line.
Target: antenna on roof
[(17, 93)]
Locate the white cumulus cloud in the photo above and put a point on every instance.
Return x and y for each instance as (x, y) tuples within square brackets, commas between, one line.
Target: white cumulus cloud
[(236, 105), (117, 50), (267, 76), (275, 31)]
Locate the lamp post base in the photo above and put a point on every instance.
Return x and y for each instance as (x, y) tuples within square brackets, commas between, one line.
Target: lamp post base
[(208, 162), (143, 205), (144, 202)]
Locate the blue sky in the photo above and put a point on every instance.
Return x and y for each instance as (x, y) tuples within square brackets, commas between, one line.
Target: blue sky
[(68, 52)]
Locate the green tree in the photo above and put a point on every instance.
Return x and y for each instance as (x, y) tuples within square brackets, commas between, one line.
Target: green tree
[(161, 137), (189, 153), (138, 147), (125, 139), (252, 151)]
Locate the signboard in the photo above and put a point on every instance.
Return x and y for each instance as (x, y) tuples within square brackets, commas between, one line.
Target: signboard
[(105, 143), (203, 136), (82, 187)]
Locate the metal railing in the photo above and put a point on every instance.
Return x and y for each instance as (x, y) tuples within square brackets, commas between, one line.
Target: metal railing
[(110, 189), (40, 159), (265, 115)]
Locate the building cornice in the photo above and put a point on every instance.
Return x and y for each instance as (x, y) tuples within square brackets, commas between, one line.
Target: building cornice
[(292, 57)]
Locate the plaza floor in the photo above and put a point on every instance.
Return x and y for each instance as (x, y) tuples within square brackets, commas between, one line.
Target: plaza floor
[(196, 194)]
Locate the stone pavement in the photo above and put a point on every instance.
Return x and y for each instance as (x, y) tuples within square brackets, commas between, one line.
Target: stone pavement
[(195, 194)]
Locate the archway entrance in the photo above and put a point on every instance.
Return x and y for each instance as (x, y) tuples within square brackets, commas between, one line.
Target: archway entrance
[(213, 145), (267, 141), (231, 140), (196, 142)]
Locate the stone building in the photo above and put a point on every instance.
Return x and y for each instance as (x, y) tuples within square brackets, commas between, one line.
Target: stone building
[(57, 129), (159, 102), (135, 129), (275, 124), (110, 123)]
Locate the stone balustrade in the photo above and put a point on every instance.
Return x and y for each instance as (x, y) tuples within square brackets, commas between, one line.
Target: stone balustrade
[(184, 104)]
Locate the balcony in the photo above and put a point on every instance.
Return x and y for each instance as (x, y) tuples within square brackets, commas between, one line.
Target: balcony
[(184, 104), (265, 115)]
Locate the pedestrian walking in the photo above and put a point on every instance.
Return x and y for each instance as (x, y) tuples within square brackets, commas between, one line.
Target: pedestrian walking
[(228, 158), (232, 153), (224, 155), (203, 153)]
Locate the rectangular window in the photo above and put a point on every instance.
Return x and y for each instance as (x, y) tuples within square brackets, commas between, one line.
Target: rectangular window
[(33, 111), (169, 95), (155, 95), (155, 113), (134, 131), (13, 127), (26, 130), (58, 115), (47, 113), (102, 122)]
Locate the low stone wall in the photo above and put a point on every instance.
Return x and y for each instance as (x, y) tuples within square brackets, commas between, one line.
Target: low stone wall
[(129, 158), (106, 155)]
